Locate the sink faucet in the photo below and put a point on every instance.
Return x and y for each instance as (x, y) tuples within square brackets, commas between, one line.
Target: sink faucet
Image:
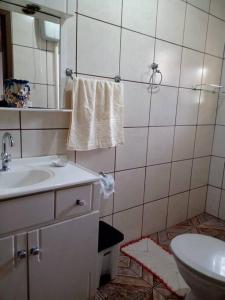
[(6, 157)]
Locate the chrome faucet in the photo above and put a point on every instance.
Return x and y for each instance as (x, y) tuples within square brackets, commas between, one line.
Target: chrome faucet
[(6, 157)]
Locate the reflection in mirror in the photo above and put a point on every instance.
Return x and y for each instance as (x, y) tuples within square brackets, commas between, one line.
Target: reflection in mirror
[(35, 59), (5, 48)]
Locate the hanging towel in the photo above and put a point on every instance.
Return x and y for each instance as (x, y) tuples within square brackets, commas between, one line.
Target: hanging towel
[(97, 116)]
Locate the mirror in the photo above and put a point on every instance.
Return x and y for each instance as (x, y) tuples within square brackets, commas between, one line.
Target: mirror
[(29, 53)]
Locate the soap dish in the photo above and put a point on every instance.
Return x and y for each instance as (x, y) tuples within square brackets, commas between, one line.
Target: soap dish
[(61, 162)]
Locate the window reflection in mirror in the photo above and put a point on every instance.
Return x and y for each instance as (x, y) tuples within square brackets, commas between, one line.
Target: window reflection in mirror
[(34, 56), (5, 48)]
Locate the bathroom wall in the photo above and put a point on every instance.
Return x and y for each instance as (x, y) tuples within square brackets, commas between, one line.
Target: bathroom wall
[(161, 171), (215, 204)]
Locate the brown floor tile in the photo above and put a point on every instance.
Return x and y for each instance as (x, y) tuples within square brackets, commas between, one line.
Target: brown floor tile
[(135, 283)]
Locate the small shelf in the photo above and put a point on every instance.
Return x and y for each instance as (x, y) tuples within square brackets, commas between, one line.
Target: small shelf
[(210, 88), (35, 109)]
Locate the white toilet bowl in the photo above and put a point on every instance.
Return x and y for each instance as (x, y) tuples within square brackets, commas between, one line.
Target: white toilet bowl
[(201, 262)]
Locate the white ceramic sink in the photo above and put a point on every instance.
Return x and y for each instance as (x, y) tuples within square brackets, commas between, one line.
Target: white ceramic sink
[(22, 178), (34, 175)]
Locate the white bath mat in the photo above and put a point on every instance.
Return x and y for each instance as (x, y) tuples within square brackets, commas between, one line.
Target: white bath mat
[(159, 262)]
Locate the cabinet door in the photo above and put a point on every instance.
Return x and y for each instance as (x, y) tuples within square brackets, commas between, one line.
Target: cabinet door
[(13, 269), (65, 267)]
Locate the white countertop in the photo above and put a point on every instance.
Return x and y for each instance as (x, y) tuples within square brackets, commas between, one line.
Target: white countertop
[(59, 177)]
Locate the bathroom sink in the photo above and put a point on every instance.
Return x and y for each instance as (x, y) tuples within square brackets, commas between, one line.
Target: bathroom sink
[(41, 174), (22, 178)]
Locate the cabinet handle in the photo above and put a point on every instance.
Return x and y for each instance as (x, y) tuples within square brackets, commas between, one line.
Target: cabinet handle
[(80, 202), (22, 254), (34, 251)]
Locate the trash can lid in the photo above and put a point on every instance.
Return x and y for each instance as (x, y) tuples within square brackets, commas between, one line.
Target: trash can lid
[(108, 236)]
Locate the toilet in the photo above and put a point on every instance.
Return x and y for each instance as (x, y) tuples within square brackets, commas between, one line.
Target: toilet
[(201, 262)]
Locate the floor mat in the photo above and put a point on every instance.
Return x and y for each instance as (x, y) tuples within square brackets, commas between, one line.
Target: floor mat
[(159, 262)]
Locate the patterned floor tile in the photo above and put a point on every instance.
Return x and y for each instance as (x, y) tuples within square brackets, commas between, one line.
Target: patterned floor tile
[(135, 283)]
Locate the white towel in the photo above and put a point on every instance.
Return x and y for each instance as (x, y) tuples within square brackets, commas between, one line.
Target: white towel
[(97, 116)]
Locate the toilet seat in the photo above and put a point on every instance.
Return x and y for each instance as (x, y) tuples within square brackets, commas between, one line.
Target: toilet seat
[(202, 253)]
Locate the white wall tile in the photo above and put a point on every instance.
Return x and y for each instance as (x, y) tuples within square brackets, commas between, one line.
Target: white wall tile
[(207, 108), (136, 56), (223, 73), (170, 20), (216, 171), (195, 28), (154, 218), (223, 186), (168, 56), (187, 108), (107, 10), (204, 139), (203, 4), (218, 143), (215, 42), (212, 70), (213, 201), (51, 70), (72, 6), (197, 200), (43, 142), (9, 120), (129, 222), (39, 95), (221, 112), (107, 219), (67, 54), (99, 160), (163, 106), (141, 18), (52, 100), (129, 190), (157, 182), (38, 120), (133, 153), (15, 151), (200, 172), (106, 206), (222, 206), (97, 54), (137, 99), (180, 176), (177, 209), (29, 64), (191, 68), (184, 142), (26, 31), (160, 144), (217, 8)]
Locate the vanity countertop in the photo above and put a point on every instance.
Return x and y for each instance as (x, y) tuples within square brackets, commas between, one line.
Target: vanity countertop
[(33, 175)]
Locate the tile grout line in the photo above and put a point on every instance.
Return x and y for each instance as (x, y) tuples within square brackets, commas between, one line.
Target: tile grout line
[(199, 103), (174, 129), (115, 151), (149, 120), (214, 131)]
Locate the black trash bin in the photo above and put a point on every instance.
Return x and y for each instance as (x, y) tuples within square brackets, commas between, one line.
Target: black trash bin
[(109, 240)]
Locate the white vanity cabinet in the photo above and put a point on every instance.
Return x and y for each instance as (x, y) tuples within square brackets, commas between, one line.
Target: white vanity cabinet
[(65, 267), (13, 269), (55, 256)]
